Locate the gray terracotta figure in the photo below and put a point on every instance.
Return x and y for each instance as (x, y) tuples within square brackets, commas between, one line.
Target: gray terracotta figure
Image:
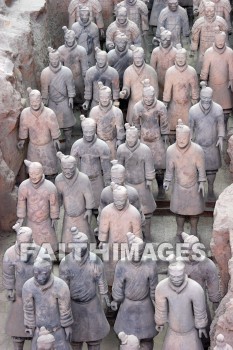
[(95, 12), (121, 57), (185, 163), (175, 19), (150, 118), (87, 34), (45, 340), (206, 121), (128, 341), (133, 291), (157, 7), (58, 92), (163, 57), (93, 157), (180, 302), (125, 26), (116, 220), (38, 205), (74, 56), (221, 343), (203, 32), (181, 90), (133, 76), (17, 269), (83, 271), (138, 161), (230, 154), (221, 79), (46, 302), (39, 124), (75, 193), (109, 120), (101, 72)]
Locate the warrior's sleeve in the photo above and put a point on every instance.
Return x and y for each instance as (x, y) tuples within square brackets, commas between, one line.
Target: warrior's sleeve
[(200, 162), (22, 201), (154, 59), (100, 277), (195, 35), (127, 81), (96, 38), (44, 81), (105, 163), (64, 305), (226, 15), (144, 16), (103, 201), (192, 123), (23, 127), (161, 22), (161, 306), (230, 65), (137, 224), (64, 272), (54, 203), (59, 190), (98, 14), (53, 126), (104, 226), (115, 84), (110, 35), (71, 11), (212, 281), (154, 81), (167, 92), (84, 62), (205, 66), (136, 34), (194, 85), (199, 307), (169, 165), (88, 92), (88, 194), (119, 124), (70, 83), (220, 125), (120, 155), (149, 165), (75, 153), (118, 286), (164, 126), (185, 22), (28, 306), (8, 272), (136, 117), (153, 280)]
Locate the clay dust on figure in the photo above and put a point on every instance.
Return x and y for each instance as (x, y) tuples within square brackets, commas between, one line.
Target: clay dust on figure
[(185, 163), (58, 92), (45, 340), (206, 121), (39, 124)]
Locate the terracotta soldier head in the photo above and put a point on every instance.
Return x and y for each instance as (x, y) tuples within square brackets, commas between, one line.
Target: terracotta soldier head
[(46, 340), (88, 128), (206, 96), (117, 173), (220, 38), (181, 56), (42, 270), (173, 5), (165, 37), (54, 58), (120, 196), (68, 165), (101, 57), (148, 94), (138, 246), (220, 343), (176, 272), (132, 135), (84, 14), (23, 240), (80, 241), (128, 342), (209, 10), (121, 15), (105, 95), (35, 171), (69, 36), (35, 99), (120, 41), (138, 56), (183, 135)]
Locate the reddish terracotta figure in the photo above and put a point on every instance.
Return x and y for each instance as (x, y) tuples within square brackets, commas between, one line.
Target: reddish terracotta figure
[(109, 120), (137, 159), (45, 340), (87, 34), (206, 121), (39, 124), (180, 302), (136, 304), (128, 342), (93, 157), (125, 26), (38, 205), (181, 90), (74, 56), (221, 343), (58, 92), (75, 194), (46, 301), (108, 11), (185, 163), (133, 76), (83, 272)]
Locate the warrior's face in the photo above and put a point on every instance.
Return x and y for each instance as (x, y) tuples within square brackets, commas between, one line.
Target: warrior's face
[(149, 98), (54, 60), (173, 5), (206, 99), (220, 41), (35, 174), (35, 101), (122, 16), (181, 59), (177, 277), (165, 41), (131, 138), (118, 177), (138, 58), (121, 45), (182, 139), (89, 133), (101, 59), (42, 274), (80, 249), (105, 98), (68, 169), (120, 200), (70, 39), (84, 16), (209, 12)]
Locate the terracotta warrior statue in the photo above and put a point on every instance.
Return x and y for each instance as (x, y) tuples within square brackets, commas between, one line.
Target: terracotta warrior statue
[(115, 221), (181, 90), (203, 31), (221, 79), (46, 301), (230, 154), (221, 343), (133, 76), (40, 125), (206, 121), (150, 118), (58, 92), (138, 161), (163, 57), (17, 269), (128, 342), (38, 205), (136, 305), (180, 302), (74, 57), (87, 34), (125, 26), (93, 157), (108, 11), (185, 163), (121, 57), (84, 274), (75, 194), (109, 120), (45, 340), (175, 19), (95, 12), (101, 72)]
